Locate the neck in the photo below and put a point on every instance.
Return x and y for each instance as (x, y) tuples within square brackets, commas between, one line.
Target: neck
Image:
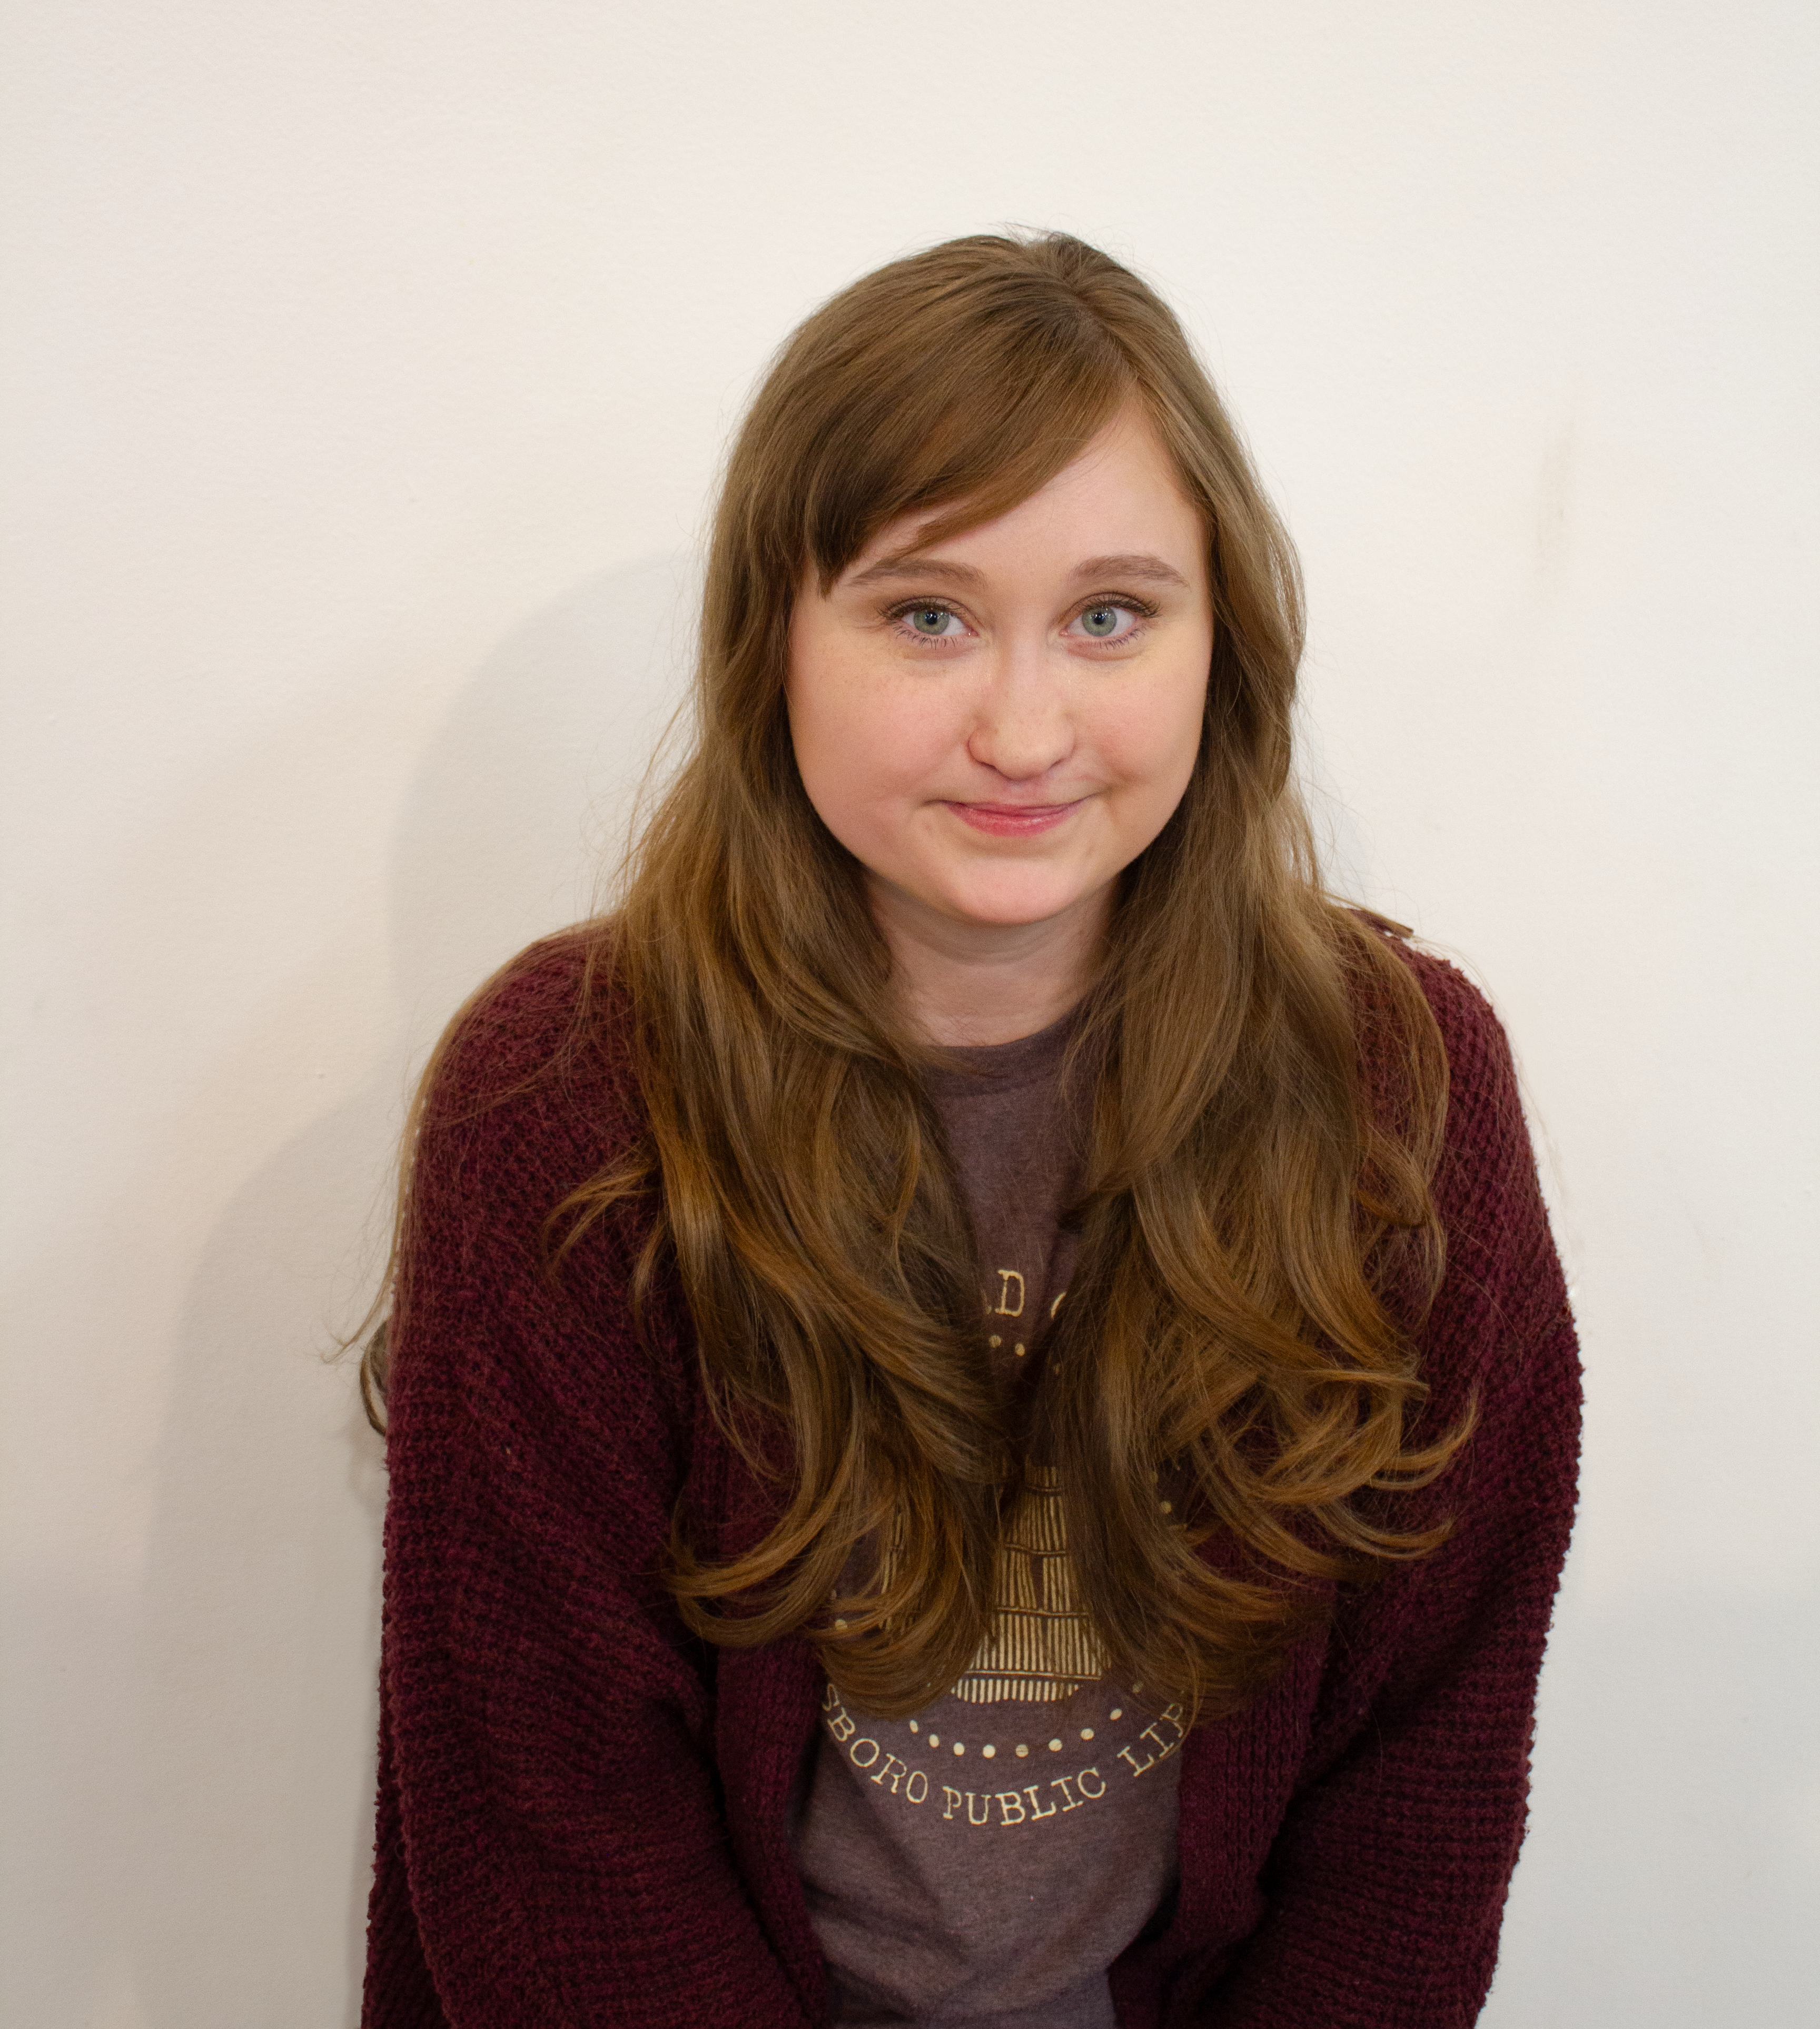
[(964, 984)]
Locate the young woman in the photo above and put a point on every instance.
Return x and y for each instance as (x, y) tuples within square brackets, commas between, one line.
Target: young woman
[(981, 1412)]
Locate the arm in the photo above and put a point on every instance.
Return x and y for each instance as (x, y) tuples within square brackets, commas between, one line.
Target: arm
[(552, 1848), (1386, 1883)]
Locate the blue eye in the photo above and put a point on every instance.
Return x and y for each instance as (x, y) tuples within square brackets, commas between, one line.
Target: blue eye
[(929, 619), (1100, 621)]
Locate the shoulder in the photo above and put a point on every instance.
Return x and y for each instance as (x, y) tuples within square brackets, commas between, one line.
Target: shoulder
[(518, 1358), (1502, 1274), (531, 1092), (1487, 1141), (551, 1025), (1484, 1107), (551, 1006), (528, 1101)]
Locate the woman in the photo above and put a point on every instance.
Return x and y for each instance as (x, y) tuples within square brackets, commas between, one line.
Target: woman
[(982, 1414)]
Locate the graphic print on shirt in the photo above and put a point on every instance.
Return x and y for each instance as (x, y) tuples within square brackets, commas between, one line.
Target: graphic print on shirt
[(1040, 1645), (1039, 1648), (908, 1775)]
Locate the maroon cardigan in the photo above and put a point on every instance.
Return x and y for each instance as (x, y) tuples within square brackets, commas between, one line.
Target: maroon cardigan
[(584, 1812)]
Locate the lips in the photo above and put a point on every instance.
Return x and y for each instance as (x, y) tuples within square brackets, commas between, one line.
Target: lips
[(1014, 820)]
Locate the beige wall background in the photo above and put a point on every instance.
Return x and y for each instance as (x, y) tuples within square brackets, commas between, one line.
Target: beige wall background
[(367, 366)]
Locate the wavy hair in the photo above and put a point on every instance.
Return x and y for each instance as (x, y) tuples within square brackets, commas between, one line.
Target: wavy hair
[(1266, 1083)]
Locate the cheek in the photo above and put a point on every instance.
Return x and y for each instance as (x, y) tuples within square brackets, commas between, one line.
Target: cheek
[(1151, 745), (866, 751)]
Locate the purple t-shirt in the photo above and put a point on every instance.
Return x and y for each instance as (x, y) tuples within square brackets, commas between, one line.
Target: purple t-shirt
[(984, 1863)]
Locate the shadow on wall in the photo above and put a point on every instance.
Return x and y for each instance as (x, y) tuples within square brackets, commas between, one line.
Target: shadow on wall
[(258, 1648), (524, 797)]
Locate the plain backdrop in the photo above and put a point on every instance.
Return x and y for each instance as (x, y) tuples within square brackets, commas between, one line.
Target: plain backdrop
[(368, 364)]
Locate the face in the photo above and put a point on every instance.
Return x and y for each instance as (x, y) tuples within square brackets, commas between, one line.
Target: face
[(996, 725)]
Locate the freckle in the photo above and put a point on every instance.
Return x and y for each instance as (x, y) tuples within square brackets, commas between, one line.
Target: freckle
[(960, 1747), (1117, 1712), (1087, 1733), (1022, 1750), (1054, 1747), (989, 1750)]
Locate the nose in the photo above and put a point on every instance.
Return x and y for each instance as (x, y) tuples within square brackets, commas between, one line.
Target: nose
[(1023, 728)]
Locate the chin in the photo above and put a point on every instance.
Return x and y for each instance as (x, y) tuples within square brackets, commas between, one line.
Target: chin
[(1007, 905)]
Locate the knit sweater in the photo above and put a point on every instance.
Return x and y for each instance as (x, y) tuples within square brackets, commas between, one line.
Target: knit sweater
[(585, 1813)]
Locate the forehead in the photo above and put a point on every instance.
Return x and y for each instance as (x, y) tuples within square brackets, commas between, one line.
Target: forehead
[(1118, 505)]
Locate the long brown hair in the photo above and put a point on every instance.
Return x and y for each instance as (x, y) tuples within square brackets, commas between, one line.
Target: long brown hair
[(1267, 1084)]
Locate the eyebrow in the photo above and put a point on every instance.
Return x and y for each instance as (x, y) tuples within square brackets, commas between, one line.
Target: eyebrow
[(908, 565)]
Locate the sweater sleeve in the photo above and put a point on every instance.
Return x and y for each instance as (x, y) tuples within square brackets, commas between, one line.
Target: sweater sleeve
[(1386, 1884), (552, 1848)]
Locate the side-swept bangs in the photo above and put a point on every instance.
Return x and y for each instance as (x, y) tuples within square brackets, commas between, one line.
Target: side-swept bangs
[(952, 382)]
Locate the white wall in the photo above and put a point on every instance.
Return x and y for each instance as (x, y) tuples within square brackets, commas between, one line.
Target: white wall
[(368, 364)]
